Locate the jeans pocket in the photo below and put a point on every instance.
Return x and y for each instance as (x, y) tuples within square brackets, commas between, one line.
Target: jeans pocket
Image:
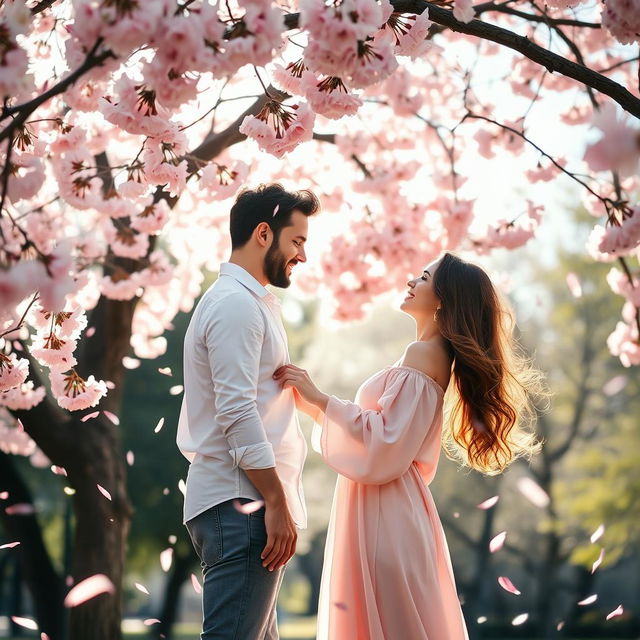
[(206, 534)]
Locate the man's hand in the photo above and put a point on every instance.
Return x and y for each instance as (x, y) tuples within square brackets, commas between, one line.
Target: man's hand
[(282, 535)]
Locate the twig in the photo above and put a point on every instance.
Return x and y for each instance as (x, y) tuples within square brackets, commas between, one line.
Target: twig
[(24, 315), (27, 108), (606, 201)]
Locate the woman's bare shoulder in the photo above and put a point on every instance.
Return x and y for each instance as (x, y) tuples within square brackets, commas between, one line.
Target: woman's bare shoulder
[(430, 357)]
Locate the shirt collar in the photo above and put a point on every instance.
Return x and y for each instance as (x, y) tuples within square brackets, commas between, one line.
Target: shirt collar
[(245, 278)]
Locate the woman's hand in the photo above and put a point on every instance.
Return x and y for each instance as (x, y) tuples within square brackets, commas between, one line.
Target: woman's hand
[(308, 397)]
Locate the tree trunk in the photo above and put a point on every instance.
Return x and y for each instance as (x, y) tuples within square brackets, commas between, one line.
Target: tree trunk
[(182, 563), (584, 588), (36, 568), (476, 594), (102, 527)]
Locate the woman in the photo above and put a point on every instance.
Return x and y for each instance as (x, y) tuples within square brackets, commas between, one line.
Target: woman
[(387, 573)]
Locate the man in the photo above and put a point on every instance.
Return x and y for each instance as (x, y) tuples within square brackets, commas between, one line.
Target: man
[(237, 427)]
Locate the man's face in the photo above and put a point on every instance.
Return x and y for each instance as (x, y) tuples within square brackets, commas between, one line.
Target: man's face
[(286, 251)]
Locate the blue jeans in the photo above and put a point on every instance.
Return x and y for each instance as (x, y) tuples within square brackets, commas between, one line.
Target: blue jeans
[(239, 595)]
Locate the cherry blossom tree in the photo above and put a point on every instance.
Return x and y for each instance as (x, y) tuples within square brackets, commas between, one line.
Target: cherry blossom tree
[(127, 127)]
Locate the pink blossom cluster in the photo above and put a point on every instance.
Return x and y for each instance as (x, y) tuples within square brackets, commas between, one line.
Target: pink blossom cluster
[(624, 342), (327, 96), (205, 38), (619, 283), (279, 128), (221, 181), (74, 392), (15, 82), (618, 239), (622, 19), (13, 371), (619, 147), (13, 439), (342, 43), (510, 234)]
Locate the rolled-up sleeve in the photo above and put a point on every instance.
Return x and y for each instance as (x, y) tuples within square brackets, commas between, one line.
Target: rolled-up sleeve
[(234, 333)]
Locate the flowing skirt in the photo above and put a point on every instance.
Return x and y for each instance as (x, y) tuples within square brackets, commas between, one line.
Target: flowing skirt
[(387, 573)]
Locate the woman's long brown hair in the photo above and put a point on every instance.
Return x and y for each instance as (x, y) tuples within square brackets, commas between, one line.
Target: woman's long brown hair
[(490, 401)]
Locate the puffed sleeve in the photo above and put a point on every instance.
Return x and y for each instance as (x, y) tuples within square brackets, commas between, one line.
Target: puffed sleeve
[(378, 446)]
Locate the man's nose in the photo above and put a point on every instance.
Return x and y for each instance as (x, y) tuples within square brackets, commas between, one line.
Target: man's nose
[(302, 256)]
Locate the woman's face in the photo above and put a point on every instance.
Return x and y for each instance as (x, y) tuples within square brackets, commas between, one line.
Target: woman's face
[(421, 299)]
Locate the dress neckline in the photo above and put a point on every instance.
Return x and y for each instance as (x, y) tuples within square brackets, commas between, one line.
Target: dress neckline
[(422, 373)]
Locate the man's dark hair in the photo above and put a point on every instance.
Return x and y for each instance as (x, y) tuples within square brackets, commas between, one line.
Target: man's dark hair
[(269, 203)]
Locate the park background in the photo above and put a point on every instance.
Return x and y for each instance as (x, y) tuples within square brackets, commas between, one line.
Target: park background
[(412, 172), (589, 467)]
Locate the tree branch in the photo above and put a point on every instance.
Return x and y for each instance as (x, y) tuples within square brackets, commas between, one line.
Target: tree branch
[(41, 6), (552, 61), (25, 109)]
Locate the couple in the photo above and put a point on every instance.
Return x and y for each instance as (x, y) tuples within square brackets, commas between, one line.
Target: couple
[(387, 573)]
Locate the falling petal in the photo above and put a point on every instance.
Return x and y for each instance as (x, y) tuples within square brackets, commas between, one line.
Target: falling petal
[(131, 458), (20, 426), (166, 557), (598, 562), (70, 491), (589, 600), (456, 514), (249, 507), (90, 416), (59, 471), (560, 625), (275, 210), (521, 619), (533, 492), (574, 285), (176, 390), (104, 492), (90, 332), (197, 587), (150, 621), (110, 385), (4, 495), (9, 545), (27, 623), (182, 487), (88, 589), (597, 534), (20, 509), (165, 491), (497, 542), (488, 503), (481, 619), (69, 581), (615, 385), (141, 587), (173, 539), (616, 612), (130, 363), (159, 425), (165, 371), (507, 585), (44, 636), (114, 418)]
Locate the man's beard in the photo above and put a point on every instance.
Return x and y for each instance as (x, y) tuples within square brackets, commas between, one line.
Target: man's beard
[(275, 266)]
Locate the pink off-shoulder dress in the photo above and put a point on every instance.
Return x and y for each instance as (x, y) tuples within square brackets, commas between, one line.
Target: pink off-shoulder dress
[(387, 573)]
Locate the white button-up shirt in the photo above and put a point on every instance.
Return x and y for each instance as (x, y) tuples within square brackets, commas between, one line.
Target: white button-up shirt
[(234, 415)]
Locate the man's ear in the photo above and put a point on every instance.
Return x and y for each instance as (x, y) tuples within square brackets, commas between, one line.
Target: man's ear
[(263, 235)]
